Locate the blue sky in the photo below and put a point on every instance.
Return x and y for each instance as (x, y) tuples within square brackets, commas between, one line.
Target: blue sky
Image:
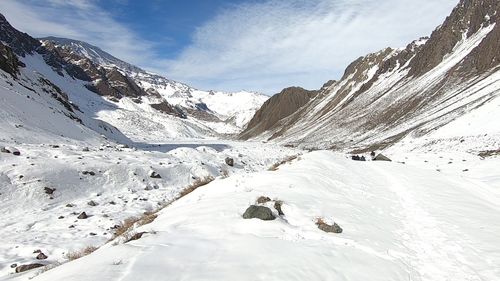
[(259, 45)]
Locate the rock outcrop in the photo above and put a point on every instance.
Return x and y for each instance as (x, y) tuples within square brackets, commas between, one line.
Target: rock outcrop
[(277, 108)]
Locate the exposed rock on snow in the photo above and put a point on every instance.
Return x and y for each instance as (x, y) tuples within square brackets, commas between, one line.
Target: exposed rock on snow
[(49, 190), (26, 267), (259, 212), (381, 157), (263, 199), (154, 175), (277, 206), (358, 158), (41, 256), (82, 216), (229, 161), (334, 228)]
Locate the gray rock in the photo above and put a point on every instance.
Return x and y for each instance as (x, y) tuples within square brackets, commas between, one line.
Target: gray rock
[(92, 203), (263, 199), (259, 212), (136, 236), (381, 157), (154, 175), (82, 216), (229, 161), (26, 267), (49, 190), (41, 256), (277, 206), (335, 228)]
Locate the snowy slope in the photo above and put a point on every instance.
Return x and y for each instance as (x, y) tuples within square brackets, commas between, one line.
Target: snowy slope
[(410, 92), (397, 226)]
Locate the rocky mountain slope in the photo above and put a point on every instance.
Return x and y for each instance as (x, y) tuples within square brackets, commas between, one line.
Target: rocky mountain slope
[(276, 109), (102, 93), (408, 93), (223, 112)]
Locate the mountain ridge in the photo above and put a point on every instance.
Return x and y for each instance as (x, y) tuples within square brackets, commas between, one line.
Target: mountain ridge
[(410, 92)]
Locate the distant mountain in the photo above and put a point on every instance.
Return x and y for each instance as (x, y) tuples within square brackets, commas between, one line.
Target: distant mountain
[(223, 112), (406, 93), (66, 88), (276, 109)]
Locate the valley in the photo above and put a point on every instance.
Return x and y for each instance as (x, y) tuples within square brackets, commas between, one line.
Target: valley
[(112, 172)]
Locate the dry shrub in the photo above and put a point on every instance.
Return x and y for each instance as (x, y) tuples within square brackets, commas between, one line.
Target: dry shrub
[(127, 224), (276, 165), (81, 253), (148, 218), (320, 221), (224, 173), (195, 185)]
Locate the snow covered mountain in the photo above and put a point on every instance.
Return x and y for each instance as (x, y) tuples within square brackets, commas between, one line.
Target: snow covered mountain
[(95, 88), (411, 93), (222, 112)]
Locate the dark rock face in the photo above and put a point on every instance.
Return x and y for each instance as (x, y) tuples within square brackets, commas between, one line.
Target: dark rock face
[(277, 108), (468, 15), (8, 61), (21, 43), (26, 267), (229, 161), (167, 108), (259, 212)]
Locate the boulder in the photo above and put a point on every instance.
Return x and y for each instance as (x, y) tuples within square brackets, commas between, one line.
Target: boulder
[(358, 158), (154, 175), (259, 212), (381, 157), (26, 267), (82, 216), (229, 161), (263, 199), (92, 203), (41, 256), (49, 190), (335, 228), (277, 206)]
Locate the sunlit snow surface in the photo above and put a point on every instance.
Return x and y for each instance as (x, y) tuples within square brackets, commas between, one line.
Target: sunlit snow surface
[(401, 222)]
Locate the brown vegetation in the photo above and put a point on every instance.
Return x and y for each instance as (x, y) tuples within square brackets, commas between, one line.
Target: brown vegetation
[(81, 253)]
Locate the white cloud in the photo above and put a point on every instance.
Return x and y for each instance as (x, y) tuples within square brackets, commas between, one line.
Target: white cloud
[(81, 20), (264, 45), (273, 44)]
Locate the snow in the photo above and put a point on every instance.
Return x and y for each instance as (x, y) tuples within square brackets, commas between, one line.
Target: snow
[(121, 186), (401, 222)]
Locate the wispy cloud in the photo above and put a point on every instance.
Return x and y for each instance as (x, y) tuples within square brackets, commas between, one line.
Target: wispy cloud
[(262, 45), (78, 19), (273, 44)]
